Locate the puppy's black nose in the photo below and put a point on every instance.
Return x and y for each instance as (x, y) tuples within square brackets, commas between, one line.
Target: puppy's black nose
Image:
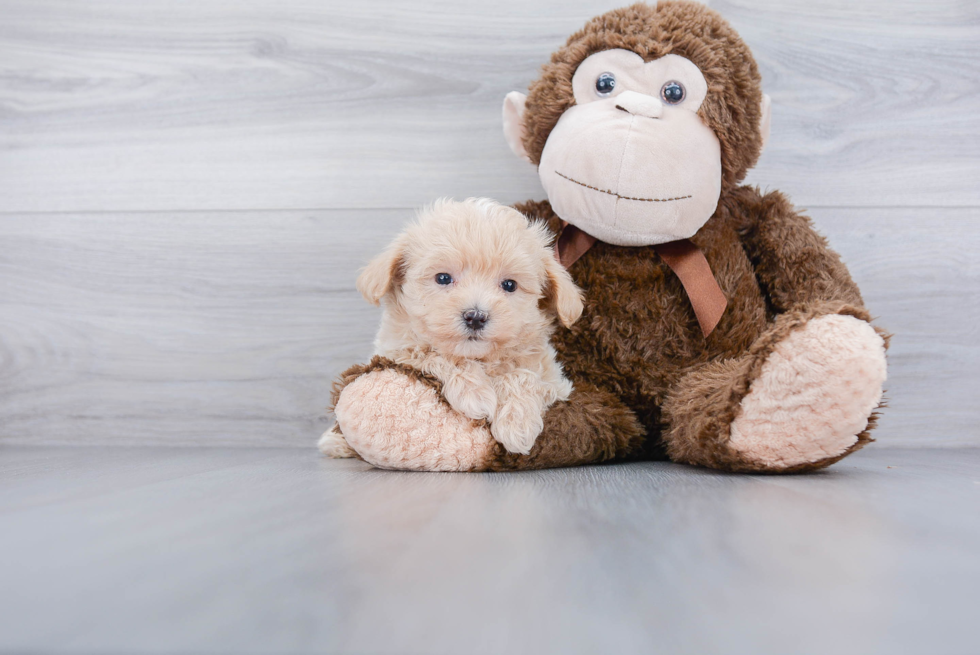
[(475, 318)]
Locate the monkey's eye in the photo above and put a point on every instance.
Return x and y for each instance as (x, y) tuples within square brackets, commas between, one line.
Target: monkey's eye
[(605, 83), (672, 92), (509, 286), (444, 278)]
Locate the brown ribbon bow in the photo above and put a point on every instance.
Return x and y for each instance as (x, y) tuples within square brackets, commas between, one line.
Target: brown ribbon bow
[(683, 257)]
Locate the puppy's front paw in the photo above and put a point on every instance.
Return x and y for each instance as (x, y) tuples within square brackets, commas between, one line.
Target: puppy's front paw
[(333, 444), (516, 426), (470, 397)]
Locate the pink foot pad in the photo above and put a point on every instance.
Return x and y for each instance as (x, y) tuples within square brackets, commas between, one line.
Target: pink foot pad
[(814, 395), (395, 422)]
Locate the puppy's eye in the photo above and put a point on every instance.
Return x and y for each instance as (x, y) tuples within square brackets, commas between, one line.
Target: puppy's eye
[(509, 286), (444, 278), (604, 84), (672, 92)]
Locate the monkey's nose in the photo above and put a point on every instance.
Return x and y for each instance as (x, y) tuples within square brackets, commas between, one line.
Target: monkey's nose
[(640, 104), (475, 318)]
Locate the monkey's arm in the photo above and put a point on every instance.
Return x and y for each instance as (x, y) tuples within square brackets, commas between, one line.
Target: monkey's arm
[(540, 210), (794, 265)]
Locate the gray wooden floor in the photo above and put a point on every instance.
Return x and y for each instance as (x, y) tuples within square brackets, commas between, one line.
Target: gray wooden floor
[(252, 550)]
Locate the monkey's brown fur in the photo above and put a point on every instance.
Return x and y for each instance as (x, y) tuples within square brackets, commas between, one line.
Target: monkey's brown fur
[(639, 338), (647, 383)]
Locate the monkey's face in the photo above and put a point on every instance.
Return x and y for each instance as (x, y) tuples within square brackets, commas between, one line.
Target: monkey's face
[(631, 162)]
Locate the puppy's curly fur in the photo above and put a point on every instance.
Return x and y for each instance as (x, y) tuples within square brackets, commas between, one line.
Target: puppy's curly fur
[(488, 260)]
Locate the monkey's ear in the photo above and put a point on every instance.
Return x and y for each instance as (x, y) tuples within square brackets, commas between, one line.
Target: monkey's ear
[(514, 123), (560, 292), (382, 273), (765, 120)]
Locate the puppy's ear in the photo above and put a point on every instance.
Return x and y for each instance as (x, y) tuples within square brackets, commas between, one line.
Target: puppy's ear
[(383, 273), (560, 293)]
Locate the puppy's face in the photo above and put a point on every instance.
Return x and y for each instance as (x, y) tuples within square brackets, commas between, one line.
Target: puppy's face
[(473, 279), (472, 283)]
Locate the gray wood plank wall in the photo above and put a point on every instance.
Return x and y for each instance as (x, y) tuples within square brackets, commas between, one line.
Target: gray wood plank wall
[(187, 190)]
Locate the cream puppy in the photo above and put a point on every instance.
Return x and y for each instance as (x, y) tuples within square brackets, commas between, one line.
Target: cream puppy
[(470, 292)]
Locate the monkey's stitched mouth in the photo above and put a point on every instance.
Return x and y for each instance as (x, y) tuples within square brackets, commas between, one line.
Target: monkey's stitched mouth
[(613, 193)]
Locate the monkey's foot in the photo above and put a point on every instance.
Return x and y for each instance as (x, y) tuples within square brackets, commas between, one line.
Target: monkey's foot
[(396, 422), (814, 396)]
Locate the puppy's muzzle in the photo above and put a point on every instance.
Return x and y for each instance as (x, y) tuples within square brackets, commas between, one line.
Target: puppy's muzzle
[(475, 319)]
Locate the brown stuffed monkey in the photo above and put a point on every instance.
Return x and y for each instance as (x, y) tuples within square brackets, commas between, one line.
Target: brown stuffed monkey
[(719, 329)]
